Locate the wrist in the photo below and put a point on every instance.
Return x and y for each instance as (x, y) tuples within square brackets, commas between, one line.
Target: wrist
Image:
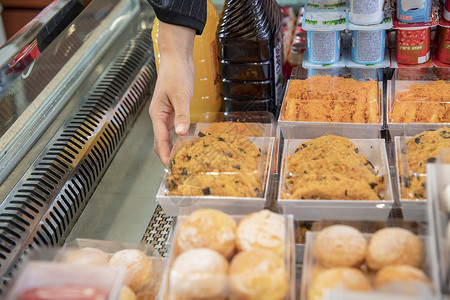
[(176, 42)]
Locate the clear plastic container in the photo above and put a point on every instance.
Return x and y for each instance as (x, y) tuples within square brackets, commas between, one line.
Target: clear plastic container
[(438, 207), (411, 178), (429, 104), (232, 177), (343, 107), (99, 282), (430, 268), (170, 289), (319, 209)]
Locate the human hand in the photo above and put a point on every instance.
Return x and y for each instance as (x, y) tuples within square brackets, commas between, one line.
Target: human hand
[(169, 108)]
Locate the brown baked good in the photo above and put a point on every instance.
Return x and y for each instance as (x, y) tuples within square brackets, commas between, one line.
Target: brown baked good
[(225, 164), (399, 273), (137, 266), (86, 256), (208, 228), (127, 294), (340, 246), (419, 149), (331, 167), (247, 129), (331, 99), (258, 274), (394, 246), (200, 274), (422, 103), (262, 230), (342, 278)]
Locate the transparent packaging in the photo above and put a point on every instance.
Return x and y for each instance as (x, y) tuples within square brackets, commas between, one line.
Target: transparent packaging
[(317, 208), (342, 99), (418, 95), (227, 286), (98, 281), (413, 152), (438, 208), (226, 171), (397, 290)]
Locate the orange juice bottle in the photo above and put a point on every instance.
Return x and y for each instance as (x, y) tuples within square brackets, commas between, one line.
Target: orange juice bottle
[(206, 97)]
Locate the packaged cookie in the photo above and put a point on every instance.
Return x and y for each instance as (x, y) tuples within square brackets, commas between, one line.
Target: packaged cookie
[(218, 256), (343, 262)]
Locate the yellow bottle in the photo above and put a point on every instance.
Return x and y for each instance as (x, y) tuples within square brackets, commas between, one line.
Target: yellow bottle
[(206, 97)]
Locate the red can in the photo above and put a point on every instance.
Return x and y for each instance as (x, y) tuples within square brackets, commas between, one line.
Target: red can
[(413, 46), (443, 48)]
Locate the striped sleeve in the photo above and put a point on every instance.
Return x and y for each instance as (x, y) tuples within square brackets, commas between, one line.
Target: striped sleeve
[(188, 13)]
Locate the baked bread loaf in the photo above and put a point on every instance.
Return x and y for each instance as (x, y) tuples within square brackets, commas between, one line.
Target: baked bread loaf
[(399, 273), (394, 246), (87, 256), (208, 228), (225, 164), (137, 265), (262, 230), (331, 167), (342, 278), (340, 246), (258, 274), (419, 149), (331, 99), (422, 103), (199, 274)]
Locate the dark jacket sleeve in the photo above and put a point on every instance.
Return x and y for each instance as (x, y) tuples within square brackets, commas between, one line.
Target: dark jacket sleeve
[(188, 13)]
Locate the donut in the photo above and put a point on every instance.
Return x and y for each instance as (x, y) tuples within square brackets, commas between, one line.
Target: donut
[(137, 266), (199, 273), (87, 256), (208, 228), (340, 246), (262, 230), (345, 278), (394, 246), (258, 274)]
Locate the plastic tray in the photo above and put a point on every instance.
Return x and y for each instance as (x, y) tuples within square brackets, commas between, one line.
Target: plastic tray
[(289, 256), (309, 129), (231, 205), (430, 268), (305, 209)]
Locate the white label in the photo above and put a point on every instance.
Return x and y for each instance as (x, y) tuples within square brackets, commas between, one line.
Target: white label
[(369, 46), (366, 7), (423, 59), (323, 46), (278, 60)]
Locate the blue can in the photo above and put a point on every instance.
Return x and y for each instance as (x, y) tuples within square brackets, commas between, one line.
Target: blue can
[(324, 47), (414, 11), (368, 47)]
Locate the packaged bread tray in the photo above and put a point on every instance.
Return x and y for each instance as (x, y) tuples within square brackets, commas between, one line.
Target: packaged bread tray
[(417, 146), (335, 177), (227, 170), (438, 208), (341, 262), (418, 95), (219, 256), (141, 264), (58, 281), (344, 99)]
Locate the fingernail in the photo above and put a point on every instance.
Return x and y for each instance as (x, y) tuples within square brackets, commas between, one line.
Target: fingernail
[(180, 128)]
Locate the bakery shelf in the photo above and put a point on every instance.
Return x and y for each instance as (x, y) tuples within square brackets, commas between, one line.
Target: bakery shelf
[(299, 126), (174, 204), (319, 209)]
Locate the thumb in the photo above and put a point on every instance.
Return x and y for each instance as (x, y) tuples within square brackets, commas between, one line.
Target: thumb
[(182, 117)]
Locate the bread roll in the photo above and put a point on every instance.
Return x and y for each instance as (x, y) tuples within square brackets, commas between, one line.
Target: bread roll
[(258, 274), (137, 266), (338, 278), (262, 230), (87, 256), (208, 228), (340, 246), (199, 274), (394, 246), (127, 294), (399, 273)]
